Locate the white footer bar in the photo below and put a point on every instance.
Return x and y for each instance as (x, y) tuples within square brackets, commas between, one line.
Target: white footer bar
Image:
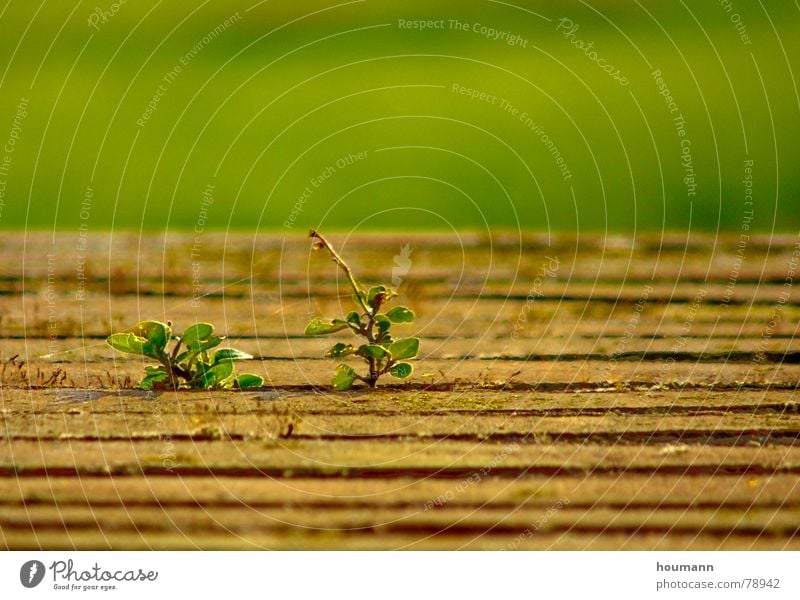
[(396, 575)]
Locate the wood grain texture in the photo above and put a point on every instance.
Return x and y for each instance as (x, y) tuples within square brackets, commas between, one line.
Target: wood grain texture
[(571, 393)]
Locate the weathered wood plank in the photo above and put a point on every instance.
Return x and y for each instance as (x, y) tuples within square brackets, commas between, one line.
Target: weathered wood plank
[(508, 375), (464, 521), (741, 429), (711, 348), (169, 256), (374, 458), (634, 490), (613, 291), (276, 318), (326, 540), (382, 402)]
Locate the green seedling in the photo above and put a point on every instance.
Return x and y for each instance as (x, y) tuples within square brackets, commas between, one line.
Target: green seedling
[(382, 353), (190, 364)]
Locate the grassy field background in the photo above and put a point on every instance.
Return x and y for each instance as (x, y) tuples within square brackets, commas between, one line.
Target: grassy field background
[(278, 116)]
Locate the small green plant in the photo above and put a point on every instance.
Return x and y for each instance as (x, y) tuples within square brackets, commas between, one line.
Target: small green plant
[(382, 353), (189, 365)]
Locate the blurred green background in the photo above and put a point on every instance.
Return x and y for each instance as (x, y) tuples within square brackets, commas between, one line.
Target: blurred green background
[(283, 115)]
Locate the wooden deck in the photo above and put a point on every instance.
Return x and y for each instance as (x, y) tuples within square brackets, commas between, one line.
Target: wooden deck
[(591, 393)]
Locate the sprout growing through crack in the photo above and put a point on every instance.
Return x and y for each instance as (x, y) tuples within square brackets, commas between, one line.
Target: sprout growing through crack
[(380, 351)]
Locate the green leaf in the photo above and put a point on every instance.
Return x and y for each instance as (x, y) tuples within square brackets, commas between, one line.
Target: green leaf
[(215, 375), (340, 350), (383, 323), (148, 382), (247, 381), (400, 314), (153, 375), (373, 351), (126, 342), (319, 327), (198, 346), (344, 378), (203, 345), (157, 335), (401, 370), (197, 333), (379, 290), (201, 367), (353, 318), (229, 355), (405, 348)]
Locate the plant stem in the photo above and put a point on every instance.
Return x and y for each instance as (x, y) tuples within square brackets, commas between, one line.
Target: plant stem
[(173, 379), (372, 380), (175, 350), (369, 332), (173, 369), (343, 265)]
